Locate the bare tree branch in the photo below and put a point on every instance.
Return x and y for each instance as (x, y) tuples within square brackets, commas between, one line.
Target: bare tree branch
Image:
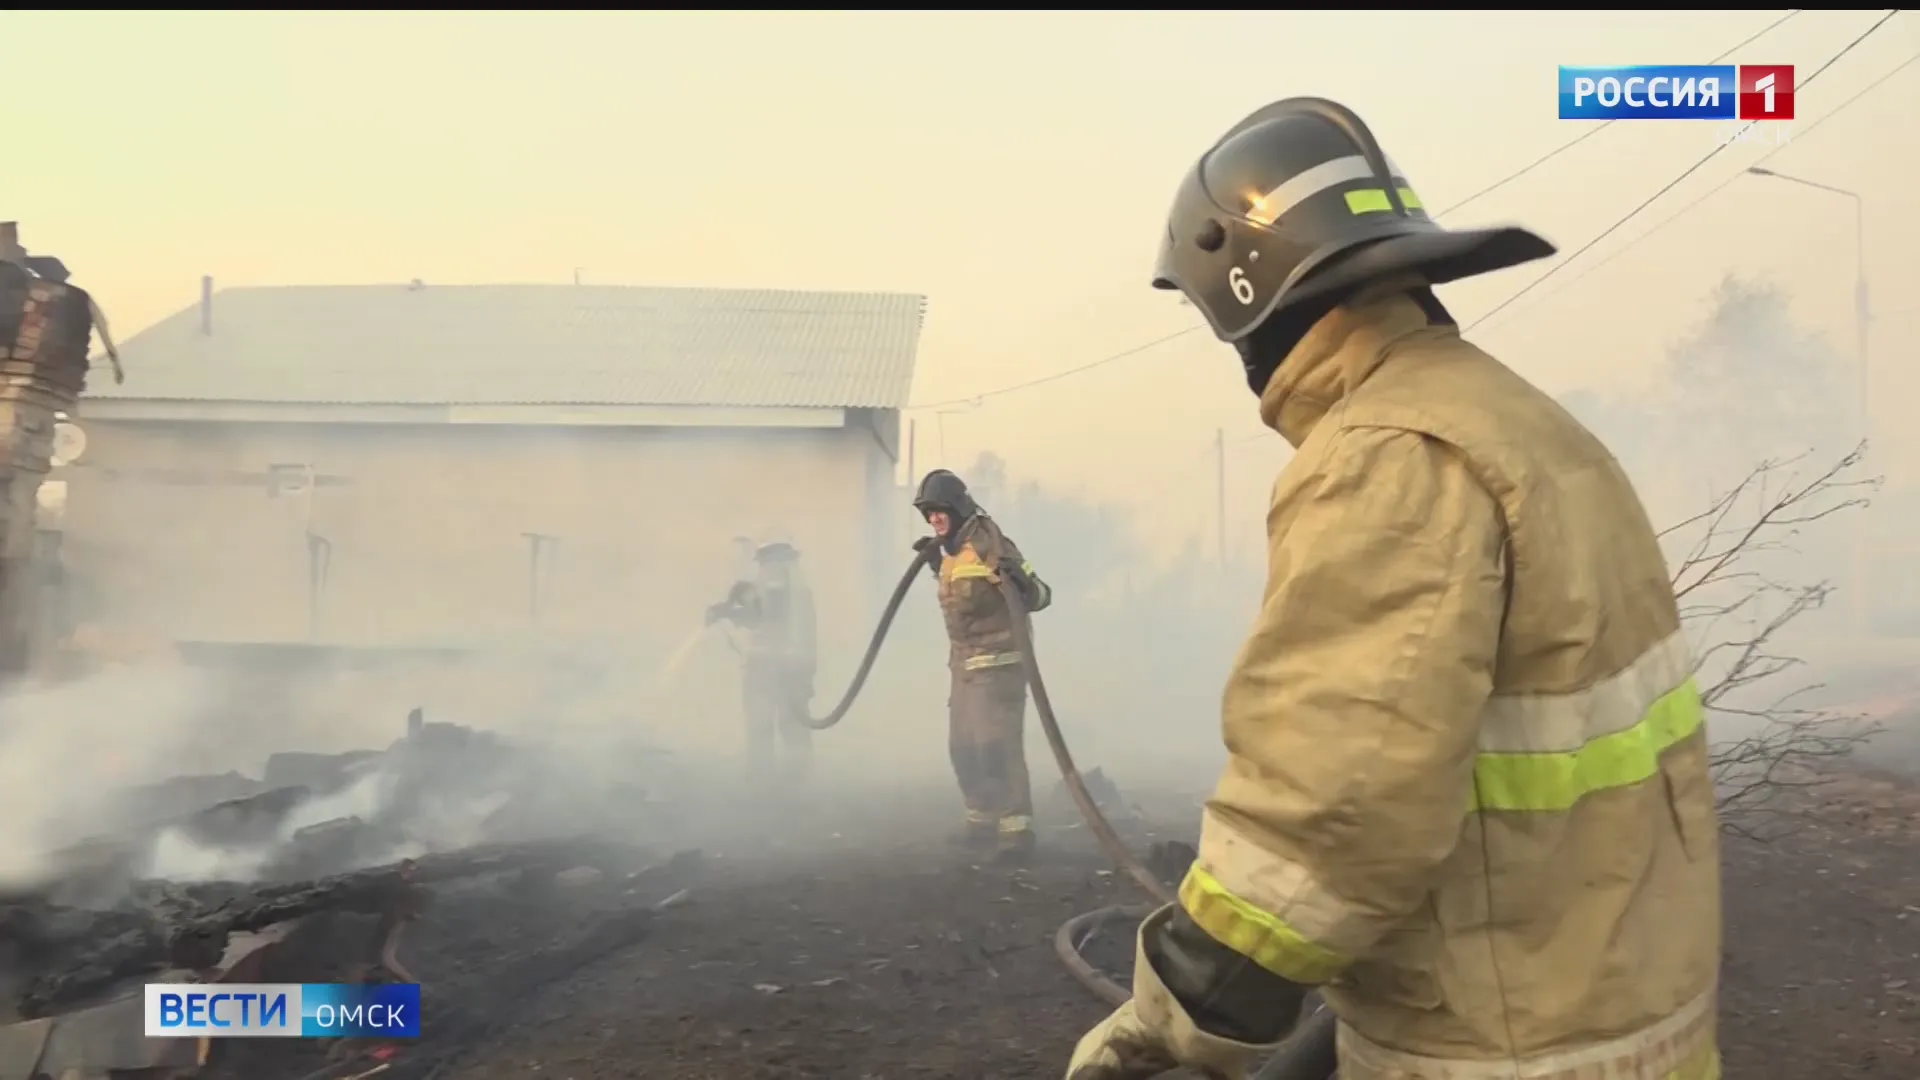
[(1742, 611), (1719, 548)]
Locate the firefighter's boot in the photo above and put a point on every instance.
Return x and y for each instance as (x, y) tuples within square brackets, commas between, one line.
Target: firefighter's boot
[(975, 835), (1014, 842)]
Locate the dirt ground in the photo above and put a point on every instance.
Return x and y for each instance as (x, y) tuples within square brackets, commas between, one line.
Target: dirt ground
[(854, 958)]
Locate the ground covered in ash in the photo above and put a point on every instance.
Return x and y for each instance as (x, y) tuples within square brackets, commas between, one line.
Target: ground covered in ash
[(863, 948)]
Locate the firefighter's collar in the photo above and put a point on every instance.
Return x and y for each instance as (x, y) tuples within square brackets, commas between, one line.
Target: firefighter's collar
[(1338, 354)]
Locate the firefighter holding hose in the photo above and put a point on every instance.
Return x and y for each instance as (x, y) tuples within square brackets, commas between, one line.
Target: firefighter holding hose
[(1467, 792), (773, 605), (987, 703)]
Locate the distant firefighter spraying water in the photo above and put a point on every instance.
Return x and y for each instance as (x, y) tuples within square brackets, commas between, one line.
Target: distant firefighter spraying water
[(773, 605), (988, 701)]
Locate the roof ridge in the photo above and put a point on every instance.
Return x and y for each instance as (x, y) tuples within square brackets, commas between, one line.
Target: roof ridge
[(507, 343), (427, 287)]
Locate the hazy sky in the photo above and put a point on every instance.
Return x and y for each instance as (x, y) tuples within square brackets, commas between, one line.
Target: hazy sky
[(1013, 167)]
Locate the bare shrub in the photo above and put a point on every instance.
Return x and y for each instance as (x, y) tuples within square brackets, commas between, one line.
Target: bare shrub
[(1737, 612)]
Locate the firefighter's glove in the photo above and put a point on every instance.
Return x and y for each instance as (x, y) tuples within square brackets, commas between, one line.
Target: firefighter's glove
[(1034, 594), (928, 548), (1155, 1032), (1022, 581), (718, 612)]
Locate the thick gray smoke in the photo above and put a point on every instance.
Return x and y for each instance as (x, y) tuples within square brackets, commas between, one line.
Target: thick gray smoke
[(62, 747), (1750, 446), (1135, 649)]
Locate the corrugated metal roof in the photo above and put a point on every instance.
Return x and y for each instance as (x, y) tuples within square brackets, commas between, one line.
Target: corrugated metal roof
[(530, 344)]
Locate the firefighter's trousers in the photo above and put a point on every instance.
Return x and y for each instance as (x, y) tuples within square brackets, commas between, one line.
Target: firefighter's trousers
[(778, 744), (986, 713)]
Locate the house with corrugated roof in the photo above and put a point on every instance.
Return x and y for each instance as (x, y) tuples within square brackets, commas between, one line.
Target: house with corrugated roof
[(428, 466)]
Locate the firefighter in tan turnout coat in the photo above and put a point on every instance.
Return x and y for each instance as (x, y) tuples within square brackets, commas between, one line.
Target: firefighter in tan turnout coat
[(987, 705), (1467, 793)]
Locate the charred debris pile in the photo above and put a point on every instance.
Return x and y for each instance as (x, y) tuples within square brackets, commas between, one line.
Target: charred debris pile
[(454, 858)]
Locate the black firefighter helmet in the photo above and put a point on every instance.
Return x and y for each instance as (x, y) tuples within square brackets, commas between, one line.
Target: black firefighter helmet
[(1298, 204), (942, 490)]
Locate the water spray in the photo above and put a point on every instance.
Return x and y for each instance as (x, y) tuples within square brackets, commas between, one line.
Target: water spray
[(669, 670)]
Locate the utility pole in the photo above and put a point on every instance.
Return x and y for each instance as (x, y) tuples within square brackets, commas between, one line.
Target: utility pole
[(319, 562), (319, 551), (1862, 316), (1220, 490), (538, 544)]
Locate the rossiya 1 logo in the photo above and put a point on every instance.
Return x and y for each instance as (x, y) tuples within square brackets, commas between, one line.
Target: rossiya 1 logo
[(1724, 92)]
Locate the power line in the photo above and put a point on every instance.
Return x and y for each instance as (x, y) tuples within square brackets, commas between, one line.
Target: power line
[(1258, 436), (1058, 375), (1509, 178), (1598, 128), (1723, 185), (1675, 182)]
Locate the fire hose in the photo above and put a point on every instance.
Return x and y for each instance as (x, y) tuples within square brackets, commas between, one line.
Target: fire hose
[(1308, 1054)]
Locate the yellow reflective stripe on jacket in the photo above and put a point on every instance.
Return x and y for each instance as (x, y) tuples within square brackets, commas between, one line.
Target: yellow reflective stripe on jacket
[(1260, 936), (1603, 754), (990, 660), (1705, 1065), (1540, 723), (1557, 781), (982, 570)]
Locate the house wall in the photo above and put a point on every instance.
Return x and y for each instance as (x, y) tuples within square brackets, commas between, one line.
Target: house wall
[(188, 529)]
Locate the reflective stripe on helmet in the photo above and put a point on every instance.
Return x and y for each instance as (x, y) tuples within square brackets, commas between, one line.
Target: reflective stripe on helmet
[(1267, 208), (1375, 201)]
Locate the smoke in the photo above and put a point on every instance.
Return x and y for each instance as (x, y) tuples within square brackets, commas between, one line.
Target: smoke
[(177, 857), (557, 600), (64, 750), (1753, 397), (591, 648), (447, 823)]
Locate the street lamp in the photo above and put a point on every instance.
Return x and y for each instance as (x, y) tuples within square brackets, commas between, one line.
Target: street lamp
[(1862, 313)]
